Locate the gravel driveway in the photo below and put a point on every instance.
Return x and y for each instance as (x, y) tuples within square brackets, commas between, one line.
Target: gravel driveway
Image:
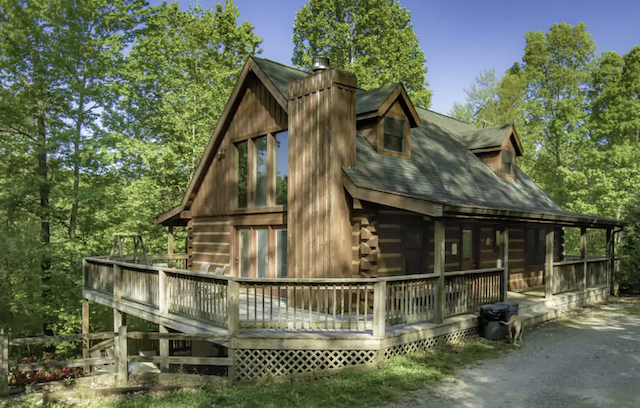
[(590, 360)]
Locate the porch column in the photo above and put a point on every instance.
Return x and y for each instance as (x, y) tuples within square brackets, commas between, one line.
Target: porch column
[(438, 268), (583, 256), (505, 262), (170, 245), (548, 265)]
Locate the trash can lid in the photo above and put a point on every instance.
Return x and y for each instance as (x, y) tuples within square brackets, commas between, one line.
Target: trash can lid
[(507, 303), (495, 307)]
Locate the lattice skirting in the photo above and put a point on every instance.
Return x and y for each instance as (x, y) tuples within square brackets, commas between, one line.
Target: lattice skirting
[(252, 365), (425, 344)]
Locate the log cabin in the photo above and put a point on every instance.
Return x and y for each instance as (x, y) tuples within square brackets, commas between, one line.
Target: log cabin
[(308, 176), (331, 227)]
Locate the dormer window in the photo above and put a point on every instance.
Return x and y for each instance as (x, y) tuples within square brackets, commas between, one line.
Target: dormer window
[(394, 135), (508, 165)]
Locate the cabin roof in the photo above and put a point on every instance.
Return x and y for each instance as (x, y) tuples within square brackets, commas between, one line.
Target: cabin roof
[(442, 167)]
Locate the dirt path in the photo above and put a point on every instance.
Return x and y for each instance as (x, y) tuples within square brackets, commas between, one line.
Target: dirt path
[(591, 360)]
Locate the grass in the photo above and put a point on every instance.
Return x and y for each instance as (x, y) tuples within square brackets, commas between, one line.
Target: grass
[(634, 309), (354, 389)]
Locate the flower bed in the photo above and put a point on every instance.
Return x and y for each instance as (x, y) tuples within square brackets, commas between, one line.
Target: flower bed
[(22, 378)]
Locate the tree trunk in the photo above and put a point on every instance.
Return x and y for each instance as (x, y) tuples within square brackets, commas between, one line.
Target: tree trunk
[(73, 219)]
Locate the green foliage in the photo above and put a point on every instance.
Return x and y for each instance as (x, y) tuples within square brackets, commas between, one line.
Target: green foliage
[(105, 109), (630, 253), (353, 389), (374, 39)]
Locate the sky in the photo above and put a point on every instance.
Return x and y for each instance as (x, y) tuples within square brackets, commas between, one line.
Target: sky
[(460, 38)]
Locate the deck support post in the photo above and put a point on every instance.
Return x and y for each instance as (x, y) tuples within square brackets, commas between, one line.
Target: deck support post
[(583, 256), (233, 309), (164, 347), (170, 246), (122, 356), (379, 302), (438, 268), (505, 262), (548, 265), (4, 364), (85, 330)]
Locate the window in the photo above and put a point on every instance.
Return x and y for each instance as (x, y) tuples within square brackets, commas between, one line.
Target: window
[(467, 245), (508, 167), (262, 178), (243, 171), (245, 253), (282, 167), (394, 139), (262, 252), (281, 253), (263, 171)]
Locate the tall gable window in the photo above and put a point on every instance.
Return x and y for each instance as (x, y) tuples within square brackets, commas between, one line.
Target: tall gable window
[(262, 171), (394, 135), (508, 165)]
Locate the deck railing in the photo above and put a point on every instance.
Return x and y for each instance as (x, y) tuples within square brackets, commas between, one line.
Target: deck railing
[(570, 275), (352, 304)]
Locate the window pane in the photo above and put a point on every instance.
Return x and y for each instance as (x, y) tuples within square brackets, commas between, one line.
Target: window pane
[(245, 257), (393, 143), (282, 167), (281, 253), (507, 162), (262, 181), (242, 174), (394, 135), (262, 249), (467, 237)]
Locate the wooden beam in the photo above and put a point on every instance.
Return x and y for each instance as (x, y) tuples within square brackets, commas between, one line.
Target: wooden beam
[(505, 262), (548, 266), (85, 330), (379, 312), (121, 354), (438, 267), (583, 256), (170, 244), (164, 347), (392, 200)]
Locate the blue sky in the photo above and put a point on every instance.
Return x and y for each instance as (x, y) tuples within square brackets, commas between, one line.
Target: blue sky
[(460, 38)]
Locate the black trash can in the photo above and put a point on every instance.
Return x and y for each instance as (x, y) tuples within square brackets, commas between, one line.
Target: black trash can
[(513, 309), (490, 317)]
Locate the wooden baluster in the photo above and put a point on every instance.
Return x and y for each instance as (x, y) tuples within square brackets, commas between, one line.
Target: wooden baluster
[(334, 306), (326, 306), (366, 304)]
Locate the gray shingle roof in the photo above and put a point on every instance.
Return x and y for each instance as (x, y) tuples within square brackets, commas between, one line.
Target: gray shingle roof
[(485, 138), (280, 74), (443, 170), (370, 101)]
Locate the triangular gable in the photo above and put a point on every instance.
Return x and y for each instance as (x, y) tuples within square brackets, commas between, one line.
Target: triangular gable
[(493, 138), (398, 94), (236, 97), (514, 139)]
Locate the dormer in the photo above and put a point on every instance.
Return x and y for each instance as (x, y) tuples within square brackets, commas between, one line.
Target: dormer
[(385, 117), (497, 146)]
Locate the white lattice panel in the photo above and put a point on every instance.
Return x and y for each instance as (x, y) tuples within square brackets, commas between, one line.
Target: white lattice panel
[(260, 364), (421, 345)]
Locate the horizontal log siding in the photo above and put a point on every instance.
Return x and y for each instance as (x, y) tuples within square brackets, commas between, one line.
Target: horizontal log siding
[(209, 242)]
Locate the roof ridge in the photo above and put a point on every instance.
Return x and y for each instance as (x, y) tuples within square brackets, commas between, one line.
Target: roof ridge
[(281, 64), (446, 116)]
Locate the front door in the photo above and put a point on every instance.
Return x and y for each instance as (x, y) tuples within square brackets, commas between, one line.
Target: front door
[(414, 250), (468, 259)]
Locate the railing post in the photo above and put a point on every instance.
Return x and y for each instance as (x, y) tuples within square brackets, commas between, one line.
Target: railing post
[(233, 309), (379, 312), (4, 364), (163, 304), (438, 267), (119, 318), (583, 256), (122, 356), (164, 347), (548, 265), (505, 263), (85, 330), (170, 246)]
